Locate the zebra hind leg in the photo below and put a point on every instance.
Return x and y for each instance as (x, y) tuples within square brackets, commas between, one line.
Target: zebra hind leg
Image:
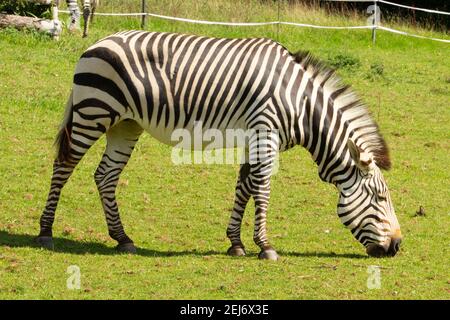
[(240, 202), (74, 141), (121, 140), (61, 173), (74, 15)]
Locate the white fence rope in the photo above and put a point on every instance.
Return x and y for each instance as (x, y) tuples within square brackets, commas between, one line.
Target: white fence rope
[(222, 23), (411, 34), (253, 24), (244, 24), (113, 14), (413, 8), (394, 4), (324, 27)]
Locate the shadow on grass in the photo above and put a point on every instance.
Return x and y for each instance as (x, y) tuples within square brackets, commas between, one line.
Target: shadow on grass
[(64, 245), (322, 255)]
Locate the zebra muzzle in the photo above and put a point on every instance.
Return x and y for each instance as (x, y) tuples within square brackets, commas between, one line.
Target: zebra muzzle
[(379, 251)]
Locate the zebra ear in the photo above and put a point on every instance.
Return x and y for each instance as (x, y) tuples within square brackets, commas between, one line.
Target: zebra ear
[(362, 159), (354, 150)]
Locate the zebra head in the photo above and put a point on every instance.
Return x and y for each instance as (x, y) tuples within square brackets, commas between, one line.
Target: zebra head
[(365, 206)]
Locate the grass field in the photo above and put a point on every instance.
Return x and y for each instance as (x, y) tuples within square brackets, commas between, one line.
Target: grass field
[(177, 215)]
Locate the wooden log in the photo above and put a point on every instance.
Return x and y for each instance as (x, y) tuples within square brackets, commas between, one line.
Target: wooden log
[(52, 27), (43, 2)]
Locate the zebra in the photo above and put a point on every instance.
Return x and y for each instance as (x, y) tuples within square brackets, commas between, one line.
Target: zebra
[(159, 82), (89, 7)]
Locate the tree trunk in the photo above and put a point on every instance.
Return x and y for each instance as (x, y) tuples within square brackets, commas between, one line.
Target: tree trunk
[(52, 27)]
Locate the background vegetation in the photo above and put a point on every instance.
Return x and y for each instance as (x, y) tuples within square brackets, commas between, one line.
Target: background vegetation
[(25, 8), (177, 215)]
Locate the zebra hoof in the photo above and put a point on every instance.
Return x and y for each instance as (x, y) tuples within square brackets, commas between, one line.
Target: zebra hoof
[(126, 248), (268, 254), (45, 242), (236, 251)]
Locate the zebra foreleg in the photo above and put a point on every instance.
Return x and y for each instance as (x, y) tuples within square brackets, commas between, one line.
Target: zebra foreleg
[(86, 14), (259, 183), (263, 153), (93, 8), (121, 140), (240, 202)]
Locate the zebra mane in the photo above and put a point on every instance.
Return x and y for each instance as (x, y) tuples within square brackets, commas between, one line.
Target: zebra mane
[(363, 129)]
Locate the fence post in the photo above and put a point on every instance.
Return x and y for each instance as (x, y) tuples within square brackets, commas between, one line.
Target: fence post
[(57, 26), (144, 16), (278, 24), (374, 21)]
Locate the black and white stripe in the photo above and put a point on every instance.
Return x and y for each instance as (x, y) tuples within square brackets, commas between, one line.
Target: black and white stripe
[(159, 82), (89, 7)]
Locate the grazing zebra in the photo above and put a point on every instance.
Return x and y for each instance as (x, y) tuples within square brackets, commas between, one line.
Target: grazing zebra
[(89, 7), (159, 82)]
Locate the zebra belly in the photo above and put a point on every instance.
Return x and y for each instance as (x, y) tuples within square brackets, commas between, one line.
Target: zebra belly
[(162, 134), (195, 138)]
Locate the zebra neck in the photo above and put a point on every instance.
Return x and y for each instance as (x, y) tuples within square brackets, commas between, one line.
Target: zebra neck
[(327, 114), (321, 130)]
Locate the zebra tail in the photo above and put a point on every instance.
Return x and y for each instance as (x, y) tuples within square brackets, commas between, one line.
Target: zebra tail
[(62, 141)]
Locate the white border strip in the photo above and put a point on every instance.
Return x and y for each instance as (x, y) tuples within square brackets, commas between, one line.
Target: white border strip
[(413, 8)]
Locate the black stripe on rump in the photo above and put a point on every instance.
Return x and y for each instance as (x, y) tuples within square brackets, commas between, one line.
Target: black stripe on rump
[(115, 61), (100, 106), (101, 83)]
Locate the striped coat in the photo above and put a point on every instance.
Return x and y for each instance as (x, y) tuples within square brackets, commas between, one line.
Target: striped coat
[(161, 82)]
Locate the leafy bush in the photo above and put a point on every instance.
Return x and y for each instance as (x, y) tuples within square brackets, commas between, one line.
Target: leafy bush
[(377, 68), (376, 72), (344, 61), (25, 8)]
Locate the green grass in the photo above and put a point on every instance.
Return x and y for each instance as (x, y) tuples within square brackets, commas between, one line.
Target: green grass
[(177, 215)]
